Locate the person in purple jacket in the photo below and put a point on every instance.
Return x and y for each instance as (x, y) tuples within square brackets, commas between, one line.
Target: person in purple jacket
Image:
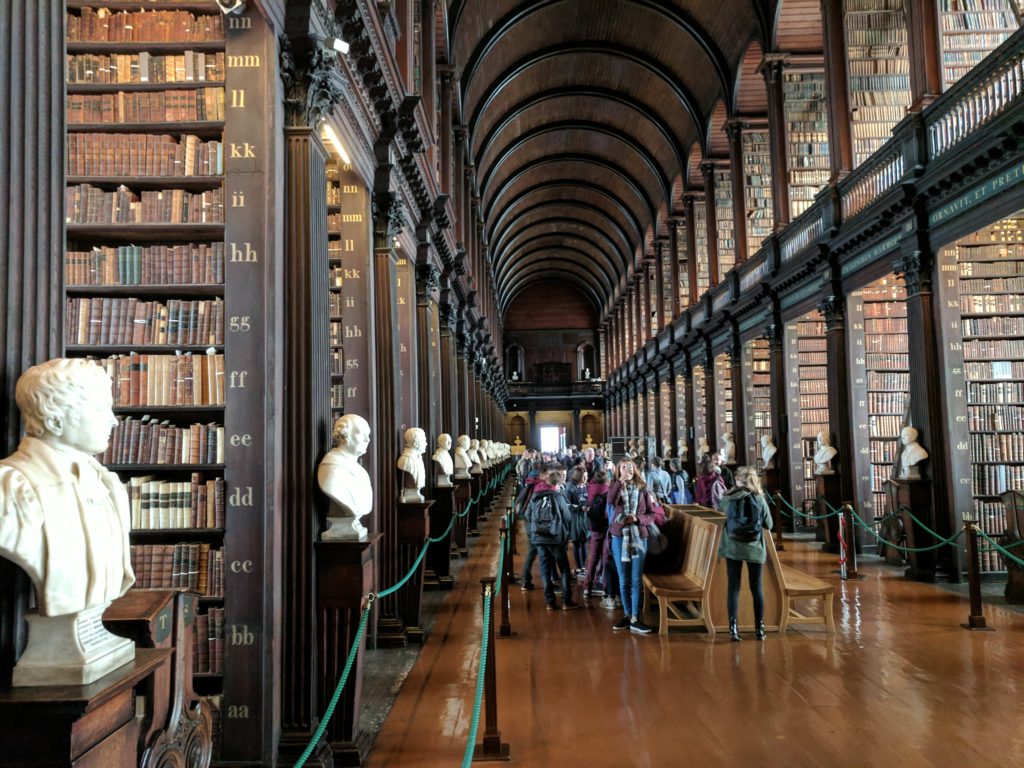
[(631, 509)]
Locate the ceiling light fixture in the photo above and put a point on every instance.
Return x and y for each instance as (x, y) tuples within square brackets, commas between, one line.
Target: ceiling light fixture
[(339, 45), (329, 134)]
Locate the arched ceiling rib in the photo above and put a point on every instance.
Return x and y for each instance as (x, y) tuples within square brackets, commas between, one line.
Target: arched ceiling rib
[(581, 117)]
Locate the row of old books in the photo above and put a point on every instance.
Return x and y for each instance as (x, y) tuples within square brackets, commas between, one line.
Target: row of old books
[(186, 264), (882, 451), (888, 402), (103, 25), (883, 425), (159, 504), (994, 326), (142, 154), (879, 381), (814, 401), (809, 386), (895, 341), (208, 648), (166, 380), (977, 19), (757, 171), (994, 369), (146, 440), (171, 106), (887, 362), (144, 67), (1003, 249), (86, 204), (132, 321), (994, 479), (188, 565), (885, 325), (986, 303), (1007, 446), (724, 223), (999, 349), (995, 418)]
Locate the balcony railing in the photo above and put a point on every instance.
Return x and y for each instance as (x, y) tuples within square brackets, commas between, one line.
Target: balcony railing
[(535, 389)]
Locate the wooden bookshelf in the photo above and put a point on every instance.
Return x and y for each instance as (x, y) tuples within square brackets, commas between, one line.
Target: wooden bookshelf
[(971, 29), (757, 394), (805, 108), (807, 387), (665, 424), (724, 410), (148, 269), (680, 413), (724, 224), (878, 71), (757, 187), (700, 244), (682, 258), (700, 409), (989, 294)]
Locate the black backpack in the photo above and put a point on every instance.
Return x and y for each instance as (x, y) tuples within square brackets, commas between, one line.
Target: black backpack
[(543, 518), (745, 519), (598, 513)]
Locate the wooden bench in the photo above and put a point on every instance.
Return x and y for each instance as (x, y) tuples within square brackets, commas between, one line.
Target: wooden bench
[(797, 585), (692, 584)]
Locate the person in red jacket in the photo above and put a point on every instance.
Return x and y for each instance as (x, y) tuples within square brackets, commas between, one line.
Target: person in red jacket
[(631, 509)]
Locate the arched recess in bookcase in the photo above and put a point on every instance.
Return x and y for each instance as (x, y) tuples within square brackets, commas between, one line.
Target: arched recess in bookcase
[(144, 279)]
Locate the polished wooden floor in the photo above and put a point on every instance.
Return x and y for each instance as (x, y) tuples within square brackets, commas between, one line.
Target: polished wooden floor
[(901, 684)]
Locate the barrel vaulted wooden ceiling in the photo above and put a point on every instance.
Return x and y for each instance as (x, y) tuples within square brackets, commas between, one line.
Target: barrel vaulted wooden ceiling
[(587, 117)]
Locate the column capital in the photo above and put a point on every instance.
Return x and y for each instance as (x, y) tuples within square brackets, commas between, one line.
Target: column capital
[(916, 269), (833, 310), (312, 88)]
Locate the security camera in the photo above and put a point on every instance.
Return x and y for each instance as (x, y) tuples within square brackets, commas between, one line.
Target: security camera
[(231, 7)]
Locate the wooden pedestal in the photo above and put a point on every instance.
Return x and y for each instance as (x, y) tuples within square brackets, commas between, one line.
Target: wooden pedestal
[(463, 493), (344, 574), (773, 485), (916, 495), (87, 726), (413, 528), (473, 518), (827, 487), (439, 562)]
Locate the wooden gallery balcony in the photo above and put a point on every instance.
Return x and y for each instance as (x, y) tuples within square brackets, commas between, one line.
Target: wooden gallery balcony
[(558, 396)]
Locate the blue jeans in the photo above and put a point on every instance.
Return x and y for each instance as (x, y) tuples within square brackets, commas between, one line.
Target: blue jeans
[(631, 576), (552, 560)]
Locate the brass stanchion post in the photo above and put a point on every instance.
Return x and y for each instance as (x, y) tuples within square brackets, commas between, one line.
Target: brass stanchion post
[(491, 748)]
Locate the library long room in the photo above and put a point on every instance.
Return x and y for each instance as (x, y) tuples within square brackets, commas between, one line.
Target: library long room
[(391, 383)]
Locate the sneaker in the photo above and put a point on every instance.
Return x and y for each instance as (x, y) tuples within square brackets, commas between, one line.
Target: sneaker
[(608, 603), (620, 625), (586, 594), (597, 592), (526, 586), (640, 628), (570, 606), (552, 606)]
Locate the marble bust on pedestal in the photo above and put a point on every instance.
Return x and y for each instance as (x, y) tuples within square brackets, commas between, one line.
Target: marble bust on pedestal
[(345, 482), (823, 456), (702, 446), (410, 463), (728, 451), (911, 454), (64, 519), (443, 466), (463, 462), (768, 451), (475, 458)]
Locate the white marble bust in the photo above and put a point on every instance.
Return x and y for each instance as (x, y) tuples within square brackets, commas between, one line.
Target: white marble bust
[(681, 448), (823, 456), (345, 482), (443, 466), (666, 449), (463, 462), (728, 450), (911, 454), (64, 519), (484, 452), (410, 462), (474, 456), (702, 446), (768, 451)]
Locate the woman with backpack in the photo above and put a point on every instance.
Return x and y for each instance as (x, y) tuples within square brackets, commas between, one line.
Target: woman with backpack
[(710, 487), (746, 517), (597, 518), (680, 491), (631, 509), (576, 494)]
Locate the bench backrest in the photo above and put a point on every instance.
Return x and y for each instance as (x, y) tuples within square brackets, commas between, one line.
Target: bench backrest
[(701, 548), (773, 557)]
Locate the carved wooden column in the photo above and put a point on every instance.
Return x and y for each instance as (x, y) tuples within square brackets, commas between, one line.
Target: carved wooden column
[(659, 285), (739, 400), (710, 399), (927, 410), (428, 355), (647, 302), (708, 169), (734, 130), (449, 367), (306, 426), (32, 240), (688, 456), (388, 220), (639, 283), (773, 69), (840, 418), (462, 379), (780, 411), (458, 190), (840, 137), (691, 247), (924, 52), (674, 306)]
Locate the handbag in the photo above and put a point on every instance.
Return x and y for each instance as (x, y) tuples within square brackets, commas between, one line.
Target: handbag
[(657, 541)]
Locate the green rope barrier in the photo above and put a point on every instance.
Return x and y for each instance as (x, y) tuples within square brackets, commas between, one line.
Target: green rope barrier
[(467, 757), (996, 546), (888, 543), (341, 685)]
